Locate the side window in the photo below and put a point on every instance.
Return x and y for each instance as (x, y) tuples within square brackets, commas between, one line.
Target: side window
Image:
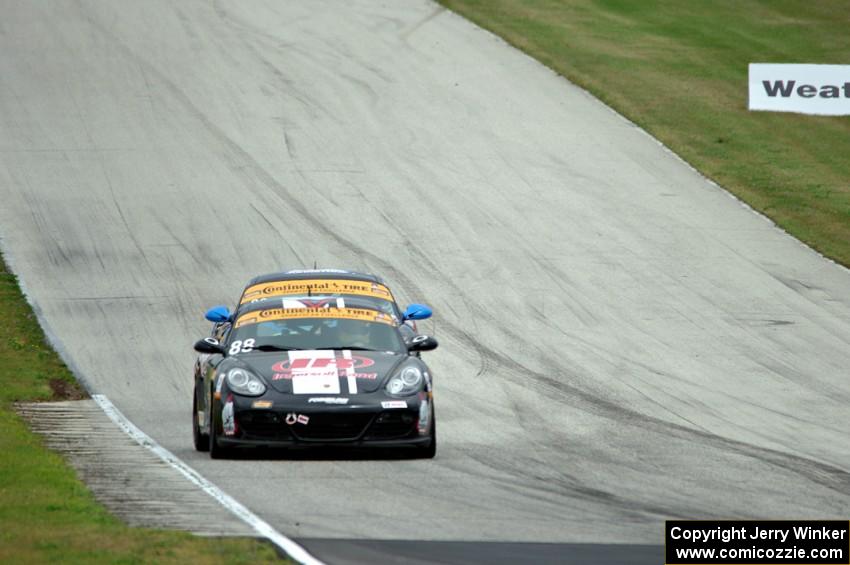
[(220, 331)]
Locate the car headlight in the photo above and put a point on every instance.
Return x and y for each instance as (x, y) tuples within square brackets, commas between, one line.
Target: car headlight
[(243, 382), (405, 382)]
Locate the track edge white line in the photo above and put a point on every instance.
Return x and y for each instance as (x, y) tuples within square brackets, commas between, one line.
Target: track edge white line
[(263, 528)]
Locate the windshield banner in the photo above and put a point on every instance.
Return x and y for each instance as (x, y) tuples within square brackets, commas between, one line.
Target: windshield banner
[(363, 314), (315, 287)]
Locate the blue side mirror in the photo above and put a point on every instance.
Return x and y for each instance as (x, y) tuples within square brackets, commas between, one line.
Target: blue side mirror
[(218, 314), (417, 312)]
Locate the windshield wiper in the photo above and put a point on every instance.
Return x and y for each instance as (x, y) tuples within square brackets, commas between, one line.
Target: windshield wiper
[(270, 347)]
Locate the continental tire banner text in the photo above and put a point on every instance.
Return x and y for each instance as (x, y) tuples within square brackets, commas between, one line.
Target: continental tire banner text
[(271, 314), (315, 287)]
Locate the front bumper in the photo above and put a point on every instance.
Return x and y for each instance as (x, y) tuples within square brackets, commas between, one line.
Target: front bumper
[(278, 443), (291, 423)]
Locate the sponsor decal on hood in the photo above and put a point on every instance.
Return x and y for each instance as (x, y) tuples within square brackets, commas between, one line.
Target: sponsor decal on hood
[(324, 372)]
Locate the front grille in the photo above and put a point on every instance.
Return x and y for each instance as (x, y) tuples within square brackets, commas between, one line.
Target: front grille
[(392, 425), (263, 424), (332, 427)]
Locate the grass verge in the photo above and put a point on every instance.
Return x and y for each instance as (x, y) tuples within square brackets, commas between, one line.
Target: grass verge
[(46, 514), (679, 70)]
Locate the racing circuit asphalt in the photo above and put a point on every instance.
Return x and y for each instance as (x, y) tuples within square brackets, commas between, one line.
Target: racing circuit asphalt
[(621, 341)]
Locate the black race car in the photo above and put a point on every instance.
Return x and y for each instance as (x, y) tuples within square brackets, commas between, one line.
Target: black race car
[(334, 375)]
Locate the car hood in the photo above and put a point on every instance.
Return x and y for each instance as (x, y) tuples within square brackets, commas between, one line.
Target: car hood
[(324, 371)]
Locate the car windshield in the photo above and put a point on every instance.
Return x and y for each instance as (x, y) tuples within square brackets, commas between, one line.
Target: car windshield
[(315, 333)]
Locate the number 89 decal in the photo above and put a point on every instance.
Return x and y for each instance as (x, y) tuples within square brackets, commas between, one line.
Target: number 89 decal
[(240, 346)]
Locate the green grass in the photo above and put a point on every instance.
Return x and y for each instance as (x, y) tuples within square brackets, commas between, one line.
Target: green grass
[(46, 514), (678, 68)]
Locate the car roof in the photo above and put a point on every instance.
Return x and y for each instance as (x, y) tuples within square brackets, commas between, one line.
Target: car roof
[(298, 274)]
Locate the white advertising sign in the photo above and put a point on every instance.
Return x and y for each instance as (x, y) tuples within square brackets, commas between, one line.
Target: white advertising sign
[(803, 89)]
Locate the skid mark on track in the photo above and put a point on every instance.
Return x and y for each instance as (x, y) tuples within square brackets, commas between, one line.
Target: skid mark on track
[(130, 233), (418, 25), (56, 253), (821, 473), (550, 484), (282, 237)]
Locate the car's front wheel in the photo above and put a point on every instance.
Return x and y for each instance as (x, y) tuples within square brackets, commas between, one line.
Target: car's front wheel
[(201, 440)]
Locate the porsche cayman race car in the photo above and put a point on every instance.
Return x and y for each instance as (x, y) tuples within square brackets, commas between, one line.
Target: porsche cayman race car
[(286, 375)]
